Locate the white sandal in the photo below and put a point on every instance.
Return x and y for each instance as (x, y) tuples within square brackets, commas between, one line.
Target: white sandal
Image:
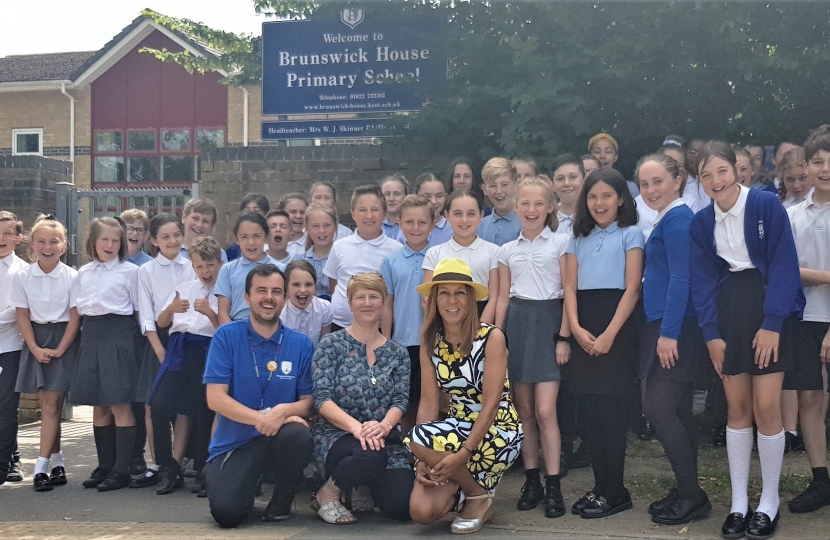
[(334, 511)]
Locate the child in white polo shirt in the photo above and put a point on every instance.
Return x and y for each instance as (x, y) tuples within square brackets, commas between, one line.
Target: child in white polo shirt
[(304, 312)]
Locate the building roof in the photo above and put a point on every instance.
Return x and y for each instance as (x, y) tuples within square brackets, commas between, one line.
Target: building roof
[(42, 67)]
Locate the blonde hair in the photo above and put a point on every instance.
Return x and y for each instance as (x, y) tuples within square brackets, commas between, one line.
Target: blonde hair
[(371, 281), (795, 157), (316, 207), (497, 167), (46, 222), (432, 329), (416, 201), (207, 248), (134, 214), (552, 221)]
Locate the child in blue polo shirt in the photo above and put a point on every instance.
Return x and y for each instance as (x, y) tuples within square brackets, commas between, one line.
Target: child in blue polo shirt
[(251, 231), (402, 271), (503, 225)]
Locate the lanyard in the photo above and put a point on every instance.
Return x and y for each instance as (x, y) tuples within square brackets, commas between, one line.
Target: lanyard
[(271, 366)]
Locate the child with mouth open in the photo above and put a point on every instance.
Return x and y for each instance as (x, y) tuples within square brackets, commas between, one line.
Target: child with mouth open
[(304, 312), (279, 235), (138, 232)]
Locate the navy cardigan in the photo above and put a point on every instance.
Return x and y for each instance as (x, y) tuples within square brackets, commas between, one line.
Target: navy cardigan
[(769, 241)]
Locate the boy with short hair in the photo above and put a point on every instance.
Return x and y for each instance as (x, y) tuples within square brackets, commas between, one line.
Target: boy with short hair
[(402, 271), (199, 219), (192, 310), (138, 232), (279, 235), (502, 225)]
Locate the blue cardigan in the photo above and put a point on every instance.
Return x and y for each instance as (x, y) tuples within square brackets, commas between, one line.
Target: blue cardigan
[(666, 278), (769, 241)]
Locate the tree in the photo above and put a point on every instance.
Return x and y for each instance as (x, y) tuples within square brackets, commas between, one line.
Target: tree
[(540, 78)]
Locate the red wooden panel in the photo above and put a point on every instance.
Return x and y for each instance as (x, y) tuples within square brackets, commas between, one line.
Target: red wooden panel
[(143, 89), (211, 101), (176, 97), (109, 99)]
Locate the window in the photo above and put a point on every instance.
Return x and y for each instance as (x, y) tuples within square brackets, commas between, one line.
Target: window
[(207, 139), (175, 140), (142, 169), (27, 142), (142, 141), (109, 169), (108, 141), (177, 169)]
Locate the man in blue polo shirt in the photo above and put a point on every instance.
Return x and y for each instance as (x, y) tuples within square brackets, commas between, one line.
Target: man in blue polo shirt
[(258, 378)]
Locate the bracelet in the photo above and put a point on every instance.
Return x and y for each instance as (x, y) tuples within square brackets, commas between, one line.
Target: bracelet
[(558, 337), (388, 425), (467, 448)]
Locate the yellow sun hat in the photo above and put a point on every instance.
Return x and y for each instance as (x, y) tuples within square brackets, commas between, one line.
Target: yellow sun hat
[(453, 272)]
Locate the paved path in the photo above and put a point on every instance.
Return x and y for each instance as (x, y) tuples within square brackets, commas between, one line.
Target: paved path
[(71, 512)]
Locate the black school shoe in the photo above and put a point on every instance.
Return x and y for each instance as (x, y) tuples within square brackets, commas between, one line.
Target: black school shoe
[(734, 526), (279, 508), (554, 503), (97, 476), (147, 479), (793, 443), (582, 502), (42, 482), (761, 527), (138, 465), (171, 479), (664, 503), (684, 511), (58, 476), (532, 493), (814, 497), (114, 480), (15, 473), (600, 508)]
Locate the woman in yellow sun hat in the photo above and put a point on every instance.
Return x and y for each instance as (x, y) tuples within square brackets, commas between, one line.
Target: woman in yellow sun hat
[(481, 437)]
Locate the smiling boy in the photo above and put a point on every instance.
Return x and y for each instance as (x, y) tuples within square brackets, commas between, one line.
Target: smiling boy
[(502, 225)]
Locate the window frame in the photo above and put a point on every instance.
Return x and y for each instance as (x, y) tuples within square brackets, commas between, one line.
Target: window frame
[(27, 131)]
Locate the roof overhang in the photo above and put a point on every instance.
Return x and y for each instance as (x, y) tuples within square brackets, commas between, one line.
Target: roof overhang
[(34, 86)]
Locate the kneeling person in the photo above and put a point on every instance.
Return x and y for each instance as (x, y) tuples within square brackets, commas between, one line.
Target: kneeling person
[(258, 378)]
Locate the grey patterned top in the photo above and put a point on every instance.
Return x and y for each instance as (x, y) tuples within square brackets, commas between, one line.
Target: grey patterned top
[(341, 374)]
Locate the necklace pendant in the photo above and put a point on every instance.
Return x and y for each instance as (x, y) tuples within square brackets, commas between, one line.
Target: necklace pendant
[(374, 381)]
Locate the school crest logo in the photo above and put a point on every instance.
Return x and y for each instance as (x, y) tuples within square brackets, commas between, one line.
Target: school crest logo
[(285, 367), (351, 17), (760, 229)]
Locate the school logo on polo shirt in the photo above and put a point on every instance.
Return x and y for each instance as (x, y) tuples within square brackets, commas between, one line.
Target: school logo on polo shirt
[(285, 367)]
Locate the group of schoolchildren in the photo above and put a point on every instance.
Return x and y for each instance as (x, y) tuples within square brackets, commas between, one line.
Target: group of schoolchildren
[(598, 282)]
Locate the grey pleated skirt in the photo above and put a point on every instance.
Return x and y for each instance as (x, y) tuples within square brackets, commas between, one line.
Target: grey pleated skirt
[(150, 365), (531, 351), (106, 372), (55, 376)]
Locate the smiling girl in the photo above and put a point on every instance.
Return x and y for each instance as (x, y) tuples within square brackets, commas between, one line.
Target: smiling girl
[(106, 373), (49, 322), (603, 271), (320, 225), (394, 189), (295, 204), (568, 179), (304, 312), (325, 194), (795, 182), (747, 294)]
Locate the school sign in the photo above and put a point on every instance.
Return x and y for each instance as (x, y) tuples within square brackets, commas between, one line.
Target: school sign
[(349, 64)]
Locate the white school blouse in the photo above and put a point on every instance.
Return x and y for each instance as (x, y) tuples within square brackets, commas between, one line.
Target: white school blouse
[(730, 244), (309, 321), (534, 265), (810, 223), (48, 297), (10, 338), (156, 281), (481, 256), (191, 321), (107, 288)]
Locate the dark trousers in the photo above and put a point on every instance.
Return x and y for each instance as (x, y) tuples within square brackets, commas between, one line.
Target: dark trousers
[(232, 477), (605, 432), (9, 402), (350, 466), (668, 407), (140, 413)]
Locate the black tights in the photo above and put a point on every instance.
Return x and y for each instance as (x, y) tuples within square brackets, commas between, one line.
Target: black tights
[(605, 432), (668, 406)]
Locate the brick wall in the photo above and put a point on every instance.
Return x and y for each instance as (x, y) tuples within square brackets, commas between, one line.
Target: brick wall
[(229, 173), (49, 110)]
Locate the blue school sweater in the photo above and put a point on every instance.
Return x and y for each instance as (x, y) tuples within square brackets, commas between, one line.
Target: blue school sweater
[(666, 278), (769, 241)]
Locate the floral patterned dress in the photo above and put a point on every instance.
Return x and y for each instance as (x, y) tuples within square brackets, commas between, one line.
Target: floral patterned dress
[(463, 378), (341, 374)]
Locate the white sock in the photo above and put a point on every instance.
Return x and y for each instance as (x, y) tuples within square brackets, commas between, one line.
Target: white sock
[(771, 453), (791, 432), (151, 469), (56, 460), (42, 465), (739, 451)]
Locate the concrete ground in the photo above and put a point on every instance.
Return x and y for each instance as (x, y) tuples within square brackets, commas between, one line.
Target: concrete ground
[(72, 512)]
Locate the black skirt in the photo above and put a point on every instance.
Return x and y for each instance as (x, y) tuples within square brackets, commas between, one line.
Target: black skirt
[(150, 365), (691, 351), (806, 343), (106, 371), (55, 376), (740, 315), (178, 392), (610, 374)]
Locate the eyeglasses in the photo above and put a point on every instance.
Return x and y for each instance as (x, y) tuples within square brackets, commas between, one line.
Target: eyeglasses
[(138, 230)]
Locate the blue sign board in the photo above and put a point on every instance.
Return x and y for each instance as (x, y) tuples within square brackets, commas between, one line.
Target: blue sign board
[(330, 129), (349, 64)]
